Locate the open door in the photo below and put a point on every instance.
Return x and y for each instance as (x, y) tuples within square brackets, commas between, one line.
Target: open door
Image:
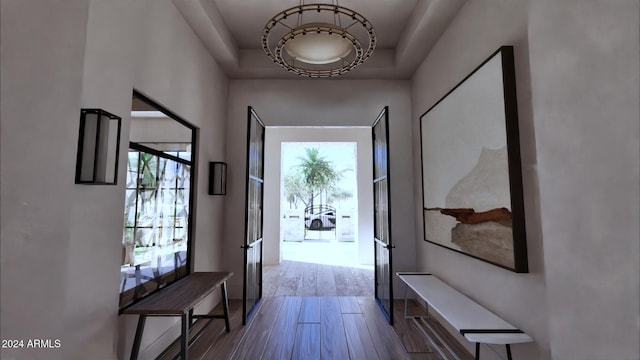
[(252, 245), (382, 215)]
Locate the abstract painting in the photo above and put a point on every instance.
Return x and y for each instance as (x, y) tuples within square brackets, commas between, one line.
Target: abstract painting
[(471, 171)]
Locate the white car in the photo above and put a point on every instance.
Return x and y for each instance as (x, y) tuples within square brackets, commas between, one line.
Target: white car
[(321, 220)]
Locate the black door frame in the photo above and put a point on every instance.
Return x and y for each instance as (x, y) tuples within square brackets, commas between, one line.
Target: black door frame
[(257, 245), (378, 243)]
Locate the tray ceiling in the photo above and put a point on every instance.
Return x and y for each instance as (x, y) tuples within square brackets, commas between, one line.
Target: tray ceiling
[(406, 31)]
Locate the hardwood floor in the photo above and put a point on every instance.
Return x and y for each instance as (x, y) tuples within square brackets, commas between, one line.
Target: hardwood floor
[(320, 327), (317, 311), (294, 278)]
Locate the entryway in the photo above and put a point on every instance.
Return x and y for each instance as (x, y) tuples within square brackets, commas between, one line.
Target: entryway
[(318, 226), (341, 220), (372, 205), (319, 202)]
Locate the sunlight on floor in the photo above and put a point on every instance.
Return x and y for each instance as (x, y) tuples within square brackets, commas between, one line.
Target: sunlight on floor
[(318, 251)]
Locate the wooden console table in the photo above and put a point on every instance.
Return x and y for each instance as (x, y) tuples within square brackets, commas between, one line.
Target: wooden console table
[(179, 299)]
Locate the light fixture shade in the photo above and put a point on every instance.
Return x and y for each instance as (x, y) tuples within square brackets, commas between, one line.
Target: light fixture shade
[(98, 148), (318, 48), (332, 41), (217, 178)]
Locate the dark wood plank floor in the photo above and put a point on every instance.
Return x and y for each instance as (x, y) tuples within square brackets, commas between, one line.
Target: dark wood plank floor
[(317, 311), (294, 278), (325, 327)]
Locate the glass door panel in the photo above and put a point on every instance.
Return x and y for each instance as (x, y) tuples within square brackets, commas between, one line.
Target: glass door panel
[(381, 215), (252, 290)]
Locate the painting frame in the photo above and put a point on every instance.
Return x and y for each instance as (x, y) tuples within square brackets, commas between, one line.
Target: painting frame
[(475, 206)]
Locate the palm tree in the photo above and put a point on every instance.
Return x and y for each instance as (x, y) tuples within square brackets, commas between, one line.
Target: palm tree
[(318, 173)]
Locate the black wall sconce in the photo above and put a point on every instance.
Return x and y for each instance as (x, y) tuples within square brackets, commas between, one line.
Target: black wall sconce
[(98, 148), (217, 178)]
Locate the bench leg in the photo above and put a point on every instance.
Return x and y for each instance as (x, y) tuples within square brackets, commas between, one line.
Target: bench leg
[(406, 297), (190, 318), (138, 338), (225, 306), (406, 291), (184, 337), (478, 351)]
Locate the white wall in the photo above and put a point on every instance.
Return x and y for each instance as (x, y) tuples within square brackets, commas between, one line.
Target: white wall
[(584, 78), (41, 61), (61, 243), (577, 74), (274, 138), (477, 31), (319, 103)]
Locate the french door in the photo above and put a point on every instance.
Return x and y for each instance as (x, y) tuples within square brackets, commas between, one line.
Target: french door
[(382, 215), (252, 244)]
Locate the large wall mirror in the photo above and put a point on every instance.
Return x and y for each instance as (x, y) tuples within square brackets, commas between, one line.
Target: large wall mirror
[(157, 234)]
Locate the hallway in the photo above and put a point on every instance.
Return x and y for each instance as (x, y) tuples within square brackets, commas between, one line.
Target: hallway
[(342, 328)]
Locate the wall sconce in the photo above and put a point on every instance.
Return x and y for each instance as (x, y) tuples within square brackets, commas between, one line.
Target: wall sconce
[(98, 148), (217, 178)]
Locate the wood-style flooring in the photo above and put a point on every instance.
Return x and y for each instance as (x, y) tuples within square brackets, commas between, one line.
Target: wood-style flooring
[(321, 327), (317, 311), (294, 278)]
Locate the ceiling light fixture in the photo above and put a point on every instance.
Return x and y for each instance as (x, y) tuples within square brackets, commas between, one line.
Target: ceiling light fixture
[(318, 40)]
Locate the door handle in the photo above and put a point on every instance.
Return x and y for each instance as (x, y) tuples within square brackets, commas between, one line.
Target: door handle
[(246, 246), (389, 247)]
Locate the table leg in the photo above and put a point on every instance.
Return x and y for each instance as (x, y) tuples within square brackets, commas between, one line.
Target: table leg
[(225, 306), (190, 318), (509, 352), (138, 338), (184, 338), (138, 276), (477, 351)]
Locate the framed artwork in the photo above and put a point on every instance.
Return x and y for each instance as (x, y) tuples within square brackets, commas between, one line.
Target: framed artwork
[(471, 171)]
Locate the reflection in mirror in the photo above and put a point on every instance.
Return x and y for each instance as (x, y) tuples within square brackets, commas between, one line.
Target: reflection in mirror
[(157, 214)]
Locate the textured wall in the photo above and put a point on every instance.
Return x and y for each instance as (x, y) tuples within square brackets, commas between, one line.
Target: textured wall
[(61, 242), (584, 76), (577, 83), (43, 47), (479, 29)]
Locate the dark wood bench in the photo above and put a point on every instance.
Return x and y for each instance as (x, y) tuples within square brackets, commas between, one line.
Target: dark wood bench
[(179, 299)]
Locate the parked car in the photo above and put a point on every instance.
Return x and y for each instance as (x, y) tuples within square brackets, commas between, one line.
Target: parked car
[(325, 219)]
